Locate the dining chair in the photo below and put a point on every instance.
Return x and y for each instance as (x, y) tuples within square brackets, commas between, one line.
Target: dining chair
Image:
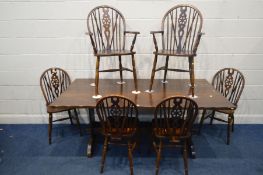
[(180, 36), (107, 31), (172, 126), (230, 83), (119, 124), (53, 82)]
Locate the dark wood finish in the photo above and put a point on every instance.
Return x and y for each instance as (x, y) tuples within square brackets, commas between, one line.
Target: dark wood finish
[(230, 83), (53, 82), (119, 124), (181, 33), (79, 95), (107, 31), (91, 131), (173, 121)]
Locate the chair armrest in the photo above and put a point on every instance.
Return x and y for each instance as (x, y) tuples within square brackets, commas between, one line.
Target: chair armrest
[(135, 33), (89, 33), (201, 33), (160, 31), (154, 38), (92, 41), (132, 32)]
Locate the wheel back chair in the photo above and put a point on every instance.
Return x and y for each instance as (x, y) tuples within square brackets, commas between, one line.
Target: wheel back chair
[(119, 124), (172, 126), (53, 82), (230, 83), (107, 32), (180, 34)]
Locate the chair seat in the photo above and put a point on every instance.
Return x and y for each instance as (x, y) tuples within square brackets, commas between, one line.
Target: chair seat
[(174, 134), (225, 111), (174, 53), (129, 130), (57, 109), (114, 52), (114, 133)]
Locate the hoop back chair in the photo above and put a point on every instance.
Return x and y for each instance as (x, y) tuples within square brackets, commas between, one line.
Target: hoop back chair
[(181, 33), (53, 82), (173, 121), (107, 32), (119, 121), (230, 83)]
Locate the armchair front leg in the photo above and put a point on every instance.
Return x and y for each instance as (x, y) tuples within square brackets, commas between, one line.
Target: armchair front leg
[(134, 38), (198, 40), (92, 42), (154, 39)]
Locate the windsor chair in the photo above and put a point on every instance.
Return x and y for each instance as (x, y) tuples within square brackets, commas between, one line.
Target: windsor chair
[(230, 83), (108, 34), (172, 126), (119, 122), (53, 82), (180, 36)]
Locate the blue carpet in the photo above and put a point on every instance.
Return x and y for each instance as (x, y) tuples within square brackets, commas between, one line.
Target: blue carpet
[(24, 150)]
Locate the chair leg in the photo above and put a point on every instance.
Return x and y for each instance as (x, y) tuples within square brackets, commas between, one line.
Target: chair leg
[(153, 145), (229, 124), (138, 141), (166, 68), (105, 148), (202, 121), (78, 123), (233, 121), (130, 157), (120, 67), (134, 73), (70, 117), (97, 76), (212, 117), (153, 72), (50, 119), (159, 150), (192, 75), (185, 156)]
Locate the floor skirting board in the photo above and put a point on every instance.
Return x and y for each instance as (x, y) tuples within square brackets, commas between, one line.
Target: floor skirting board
[(43, 118)]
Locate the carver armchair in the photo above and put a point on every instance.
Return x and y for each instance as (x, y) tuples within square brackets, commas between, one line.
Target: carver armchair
[(108, 34), (180, 36)]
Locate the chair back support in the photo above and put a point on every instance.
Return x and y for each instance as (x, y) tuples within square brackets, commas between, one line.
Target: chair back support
[(117, 115), (175, 116), (182, 26), (230, 83), (53, 82), (106, 26)]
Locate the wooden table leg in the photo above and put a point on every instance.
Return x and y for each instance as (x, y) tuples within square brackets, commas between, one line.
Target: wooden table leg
[(90, 145), (229, 127)]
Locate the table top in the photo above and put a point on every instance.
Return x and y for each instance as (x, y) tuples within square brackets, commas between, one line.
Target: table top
[(79, 93)]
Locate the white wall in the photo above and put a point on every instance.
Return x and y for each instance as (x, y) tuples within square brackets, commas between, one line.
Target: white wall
[(38, 34)]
